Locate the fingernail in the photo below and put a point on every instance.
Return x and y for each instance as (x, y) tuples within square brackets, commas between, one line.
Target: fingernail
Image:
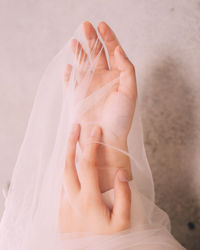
[(121, 51), (122, 176), (95, 132)]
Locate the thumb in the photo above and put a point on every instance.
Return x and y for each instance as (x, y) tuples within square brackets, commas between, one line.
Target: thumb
[(122, 200), (127, 74)]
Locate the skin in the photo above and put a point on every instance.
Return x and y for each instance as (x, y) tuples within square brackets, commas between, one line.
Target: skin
[(115, 114), (82, 207)]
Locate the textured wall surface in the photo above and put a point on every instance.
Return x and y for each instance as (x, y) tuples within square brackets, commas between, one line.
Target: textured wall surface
[(162, 38)]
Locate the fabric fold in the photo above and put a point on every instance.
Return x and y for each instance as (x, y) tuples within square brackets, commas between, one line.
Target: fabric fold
[(30, 219)]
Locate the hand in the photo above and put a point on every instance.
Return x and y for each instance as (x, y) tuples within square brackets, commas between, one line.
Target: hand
[(115, 114), (82, 207)]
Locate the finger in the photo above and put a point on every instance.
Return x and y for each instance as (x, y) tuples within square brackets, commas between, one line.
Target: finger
[(95, 46), (71, 181), (121, 214), (88, 171), (110, 40), (79, 52), (67, 74), (127, 74)]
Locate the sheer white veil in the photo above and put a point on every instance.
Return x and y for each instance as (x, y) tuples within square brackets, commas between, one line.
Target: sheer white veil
[(30, 219)]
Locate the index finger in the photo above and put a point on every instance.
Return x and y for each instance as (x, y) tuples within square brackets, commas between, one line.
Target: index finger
[(88, 172), (71, 181)]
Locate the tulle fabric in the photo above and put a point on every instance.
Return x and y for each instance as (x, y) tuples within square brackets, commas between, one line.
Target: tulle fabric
[(30, 219)]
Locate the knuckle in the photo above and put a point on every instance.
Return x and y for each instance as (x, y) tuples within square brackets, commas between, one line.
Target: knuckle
[(124, 224), (131, 68)]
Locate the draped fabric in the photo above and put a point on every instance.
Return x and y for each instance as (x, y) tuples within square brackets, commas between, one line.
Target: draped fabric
[(30, 219)]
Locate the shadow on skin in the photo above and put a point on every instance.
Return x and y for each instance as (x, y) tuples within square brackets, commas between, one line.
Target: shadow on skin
[(168, 109)]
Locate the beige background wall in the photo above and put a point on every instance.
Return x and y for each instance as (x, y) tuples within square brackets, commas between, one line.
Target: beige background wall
[(162, 38)]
